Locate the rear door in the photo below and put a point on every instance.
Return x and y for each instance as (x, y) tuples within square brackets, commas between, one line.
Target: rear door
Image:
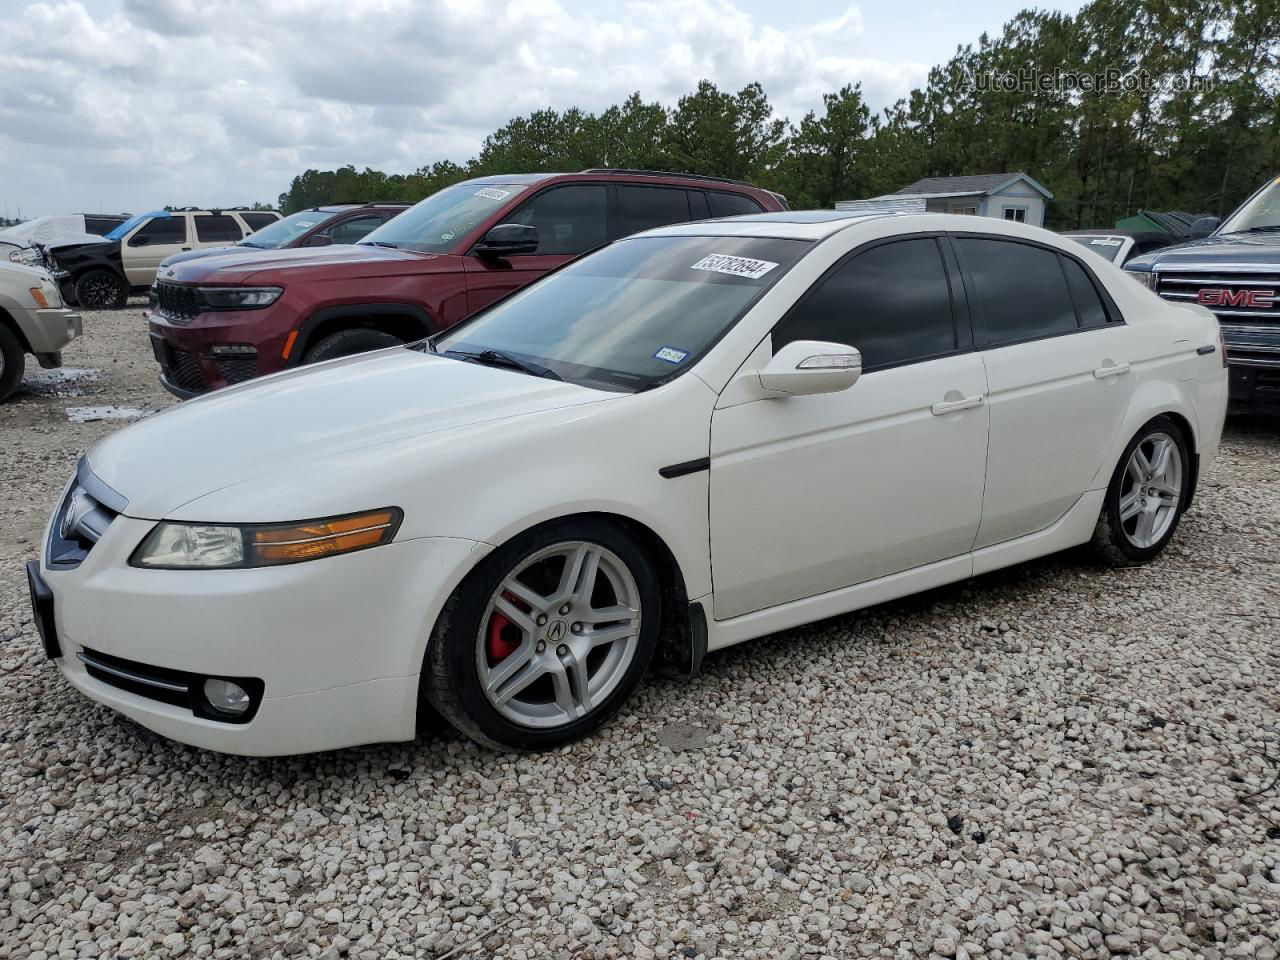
[(1057, 358), (149, 243), (571, 219)]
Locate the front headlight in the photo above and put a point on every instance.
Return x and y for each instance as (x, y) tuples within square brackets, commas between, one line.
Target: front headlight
[(47, 294), (1149, 279), (238, 298), (208, 546)]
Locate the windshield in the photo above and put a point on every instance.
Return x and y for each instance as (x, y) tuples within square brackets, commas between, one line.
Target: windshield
[(435, 224), (278, 235), (1259, 212), (1108, 247), (119, 232), (634, 314)]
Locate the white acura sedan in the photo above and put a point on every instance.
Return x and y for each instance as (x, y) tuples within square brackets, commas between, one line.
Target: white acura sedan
[(690, 438)]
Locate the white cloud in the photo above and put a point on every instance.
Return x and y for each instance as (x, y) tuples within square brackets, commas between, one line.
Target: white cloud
[(223, 101)]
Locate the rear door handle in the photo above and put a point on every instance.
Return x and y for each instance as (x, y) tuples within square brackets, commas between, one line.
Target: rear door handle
[(1115, 370), (951, 406)]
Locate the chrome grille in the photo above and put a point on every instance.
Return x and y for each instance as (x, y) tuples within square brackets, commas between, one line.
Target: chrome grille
[(1231, 296), (82, 518)]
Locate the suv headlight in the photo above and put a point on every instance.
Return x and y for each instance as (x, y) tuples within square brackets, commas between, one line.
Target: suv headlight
[(1149, 279), (209, 546), (238, 298)]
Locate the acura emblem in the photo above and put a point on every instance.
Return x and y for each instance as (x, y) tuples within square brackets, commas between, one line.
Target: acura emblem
[(78, 508), (555, 632)]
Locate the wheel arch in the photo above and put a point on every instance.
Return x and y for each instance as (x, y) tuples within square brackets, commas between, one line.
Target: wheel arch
[(405, 320), (682, 635), (12, 325)]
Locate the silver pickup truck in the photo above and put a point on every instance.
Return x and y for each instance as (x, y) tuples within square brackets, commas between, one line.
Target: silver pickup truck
[(32, 320)]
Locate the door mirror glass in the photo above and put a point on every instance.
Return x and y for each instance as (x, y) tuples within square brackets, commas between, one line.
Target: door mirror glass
[(508, 239), (1204, 226), (803, 368)]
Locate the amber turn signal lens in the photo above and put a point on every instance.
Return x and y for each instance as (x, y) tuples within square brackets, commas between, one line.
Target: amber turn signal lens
[(322, 538), (38, 296)]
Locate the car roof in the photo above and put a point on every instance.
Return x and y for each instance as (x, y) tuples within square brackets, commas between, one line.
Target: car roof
[(819, 224), (621, 175)]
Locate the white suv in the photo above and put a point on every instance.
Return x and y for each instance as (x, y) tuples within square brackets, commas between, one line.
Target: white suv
[(101, 275), (691, 437)]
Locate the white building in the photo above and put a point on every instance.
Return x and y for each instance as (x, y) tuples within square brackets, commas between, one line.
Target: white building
[(1010, 196)]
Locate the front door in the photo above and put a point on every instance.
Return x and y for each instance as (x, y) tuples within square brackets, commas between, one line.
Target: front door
[(811, 494), (571, 220), (1057, 360), (150, 243)]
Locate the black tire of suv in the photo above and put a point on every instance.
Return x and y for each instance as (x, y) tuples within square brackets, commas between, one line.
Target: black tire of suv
[(348, 343), (13, 362), (451, 683), (1109, 543), (101, 290)]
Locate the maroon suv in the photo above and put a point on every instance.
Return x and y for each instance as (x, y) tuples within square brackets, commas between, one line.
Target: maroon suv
[(222, 320)]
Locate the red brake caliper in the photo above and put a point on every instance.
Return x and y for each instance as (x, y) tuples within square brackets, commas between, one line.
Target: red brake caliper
[(498, 646)]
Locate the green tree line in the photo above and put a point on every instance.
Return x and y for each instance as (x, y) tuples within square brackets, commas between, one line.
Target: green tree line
[(1129, 104)]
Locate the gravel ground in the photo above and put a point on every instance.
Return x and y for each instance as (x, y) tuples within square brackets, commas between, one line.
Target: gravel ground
[(1056, 760)]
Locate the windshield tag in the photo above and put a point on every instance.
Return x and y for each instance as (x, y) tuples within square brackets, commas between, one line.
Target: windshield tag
[(734, 266), (306, 223), (672, 354), (1107, 243), (489, 193)]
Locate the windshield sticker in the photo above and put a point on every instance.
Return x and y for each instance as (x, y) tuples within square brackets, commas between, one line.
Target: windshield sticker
[(734, 266), (1106, 243), (672, 354), (489, 193), (306, 223)]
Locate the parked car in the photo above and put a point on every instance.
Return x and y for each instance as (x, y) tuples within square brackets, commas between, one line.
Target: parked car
[(22, 243), (317, 227), (695, 436), (101, 275), (1120, 246), (32, 321), (222, 321), (1233, 268)]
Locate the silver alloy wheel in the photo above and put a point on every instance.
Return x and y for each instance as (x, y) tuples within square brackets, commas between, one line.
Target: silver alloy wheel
[(559, 634), (1151, 491)]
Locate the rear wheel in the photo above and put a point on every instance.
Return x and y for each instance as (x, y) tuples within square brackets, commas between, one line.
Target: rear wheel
[(12, 362), (101, 290), (1146, 497), (347, 343), (547, 638)]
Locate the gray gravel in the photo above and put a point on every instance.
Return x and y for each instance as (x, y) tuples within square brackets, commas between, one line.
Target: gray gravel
[(1054, 761)]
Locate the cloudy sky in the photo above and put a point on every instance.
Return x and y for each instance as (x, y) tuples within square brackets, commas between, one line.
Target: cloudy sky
[(127, 105)]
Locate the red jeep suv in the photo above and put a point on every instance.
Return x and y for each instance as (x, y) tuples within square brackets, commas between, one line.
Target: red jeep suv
[(222, 320)]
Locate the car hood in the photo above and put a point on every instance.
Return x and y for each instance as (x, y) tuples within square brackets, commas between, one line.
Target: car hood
[(1246, 249), (327, 421), (303, 263)]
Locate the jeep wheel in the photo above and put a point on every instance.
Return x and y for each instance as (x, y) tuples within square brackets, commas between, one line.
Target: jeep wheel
[(347, 343), (12, 363), (101, 290)]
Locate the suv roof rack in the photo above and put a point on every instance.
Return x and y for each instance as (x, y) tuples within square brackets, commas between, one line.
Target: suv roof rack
[(670, 173), (364, 203)]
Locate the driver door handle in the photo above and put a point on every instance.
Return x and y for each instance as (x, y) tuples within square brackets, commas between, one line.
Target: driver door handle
[(951, 406), (1114, 370)]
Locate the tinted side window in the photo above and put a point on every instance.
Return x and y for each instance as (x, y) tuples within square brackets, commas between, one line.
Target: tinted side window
[(161, 230), (891, 302), (349, 231), (640, 208), (570, 220), (1088, 304), (100, 225), (1018, 290), (257, 221), (731, 204), (217, 228)]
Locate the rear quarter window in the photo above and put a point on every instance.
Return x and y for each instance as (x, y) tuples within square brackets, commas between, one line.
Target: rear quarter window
[(731, 204)]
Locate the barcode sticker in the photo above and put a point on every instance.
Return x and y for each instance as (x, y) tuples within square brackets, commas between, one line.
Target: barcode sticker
[(747, 267)]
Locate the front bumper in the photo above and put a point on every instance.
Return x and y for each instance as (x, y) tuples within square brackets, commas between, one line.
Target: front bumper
[(194, 354), (336, 643), (49, 330)]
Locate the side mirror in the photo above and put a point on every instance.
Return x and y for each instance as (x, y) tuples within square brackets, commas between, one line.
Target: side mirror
[(1203, 227), (806, 367), (508, 239), (319, 240)]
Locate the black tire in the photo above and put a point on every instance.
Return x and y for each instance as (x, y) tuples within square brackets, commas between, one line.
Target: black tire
[(348, 343), (1112, 541), (451, 680), (13, 362), (101, 290), (68, 290)]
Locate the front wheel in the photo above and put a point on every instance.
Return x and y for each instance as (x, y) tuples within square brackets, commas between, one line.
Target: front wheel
[(12, 362), (1146, 497), (101, 290), (547, 639)]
